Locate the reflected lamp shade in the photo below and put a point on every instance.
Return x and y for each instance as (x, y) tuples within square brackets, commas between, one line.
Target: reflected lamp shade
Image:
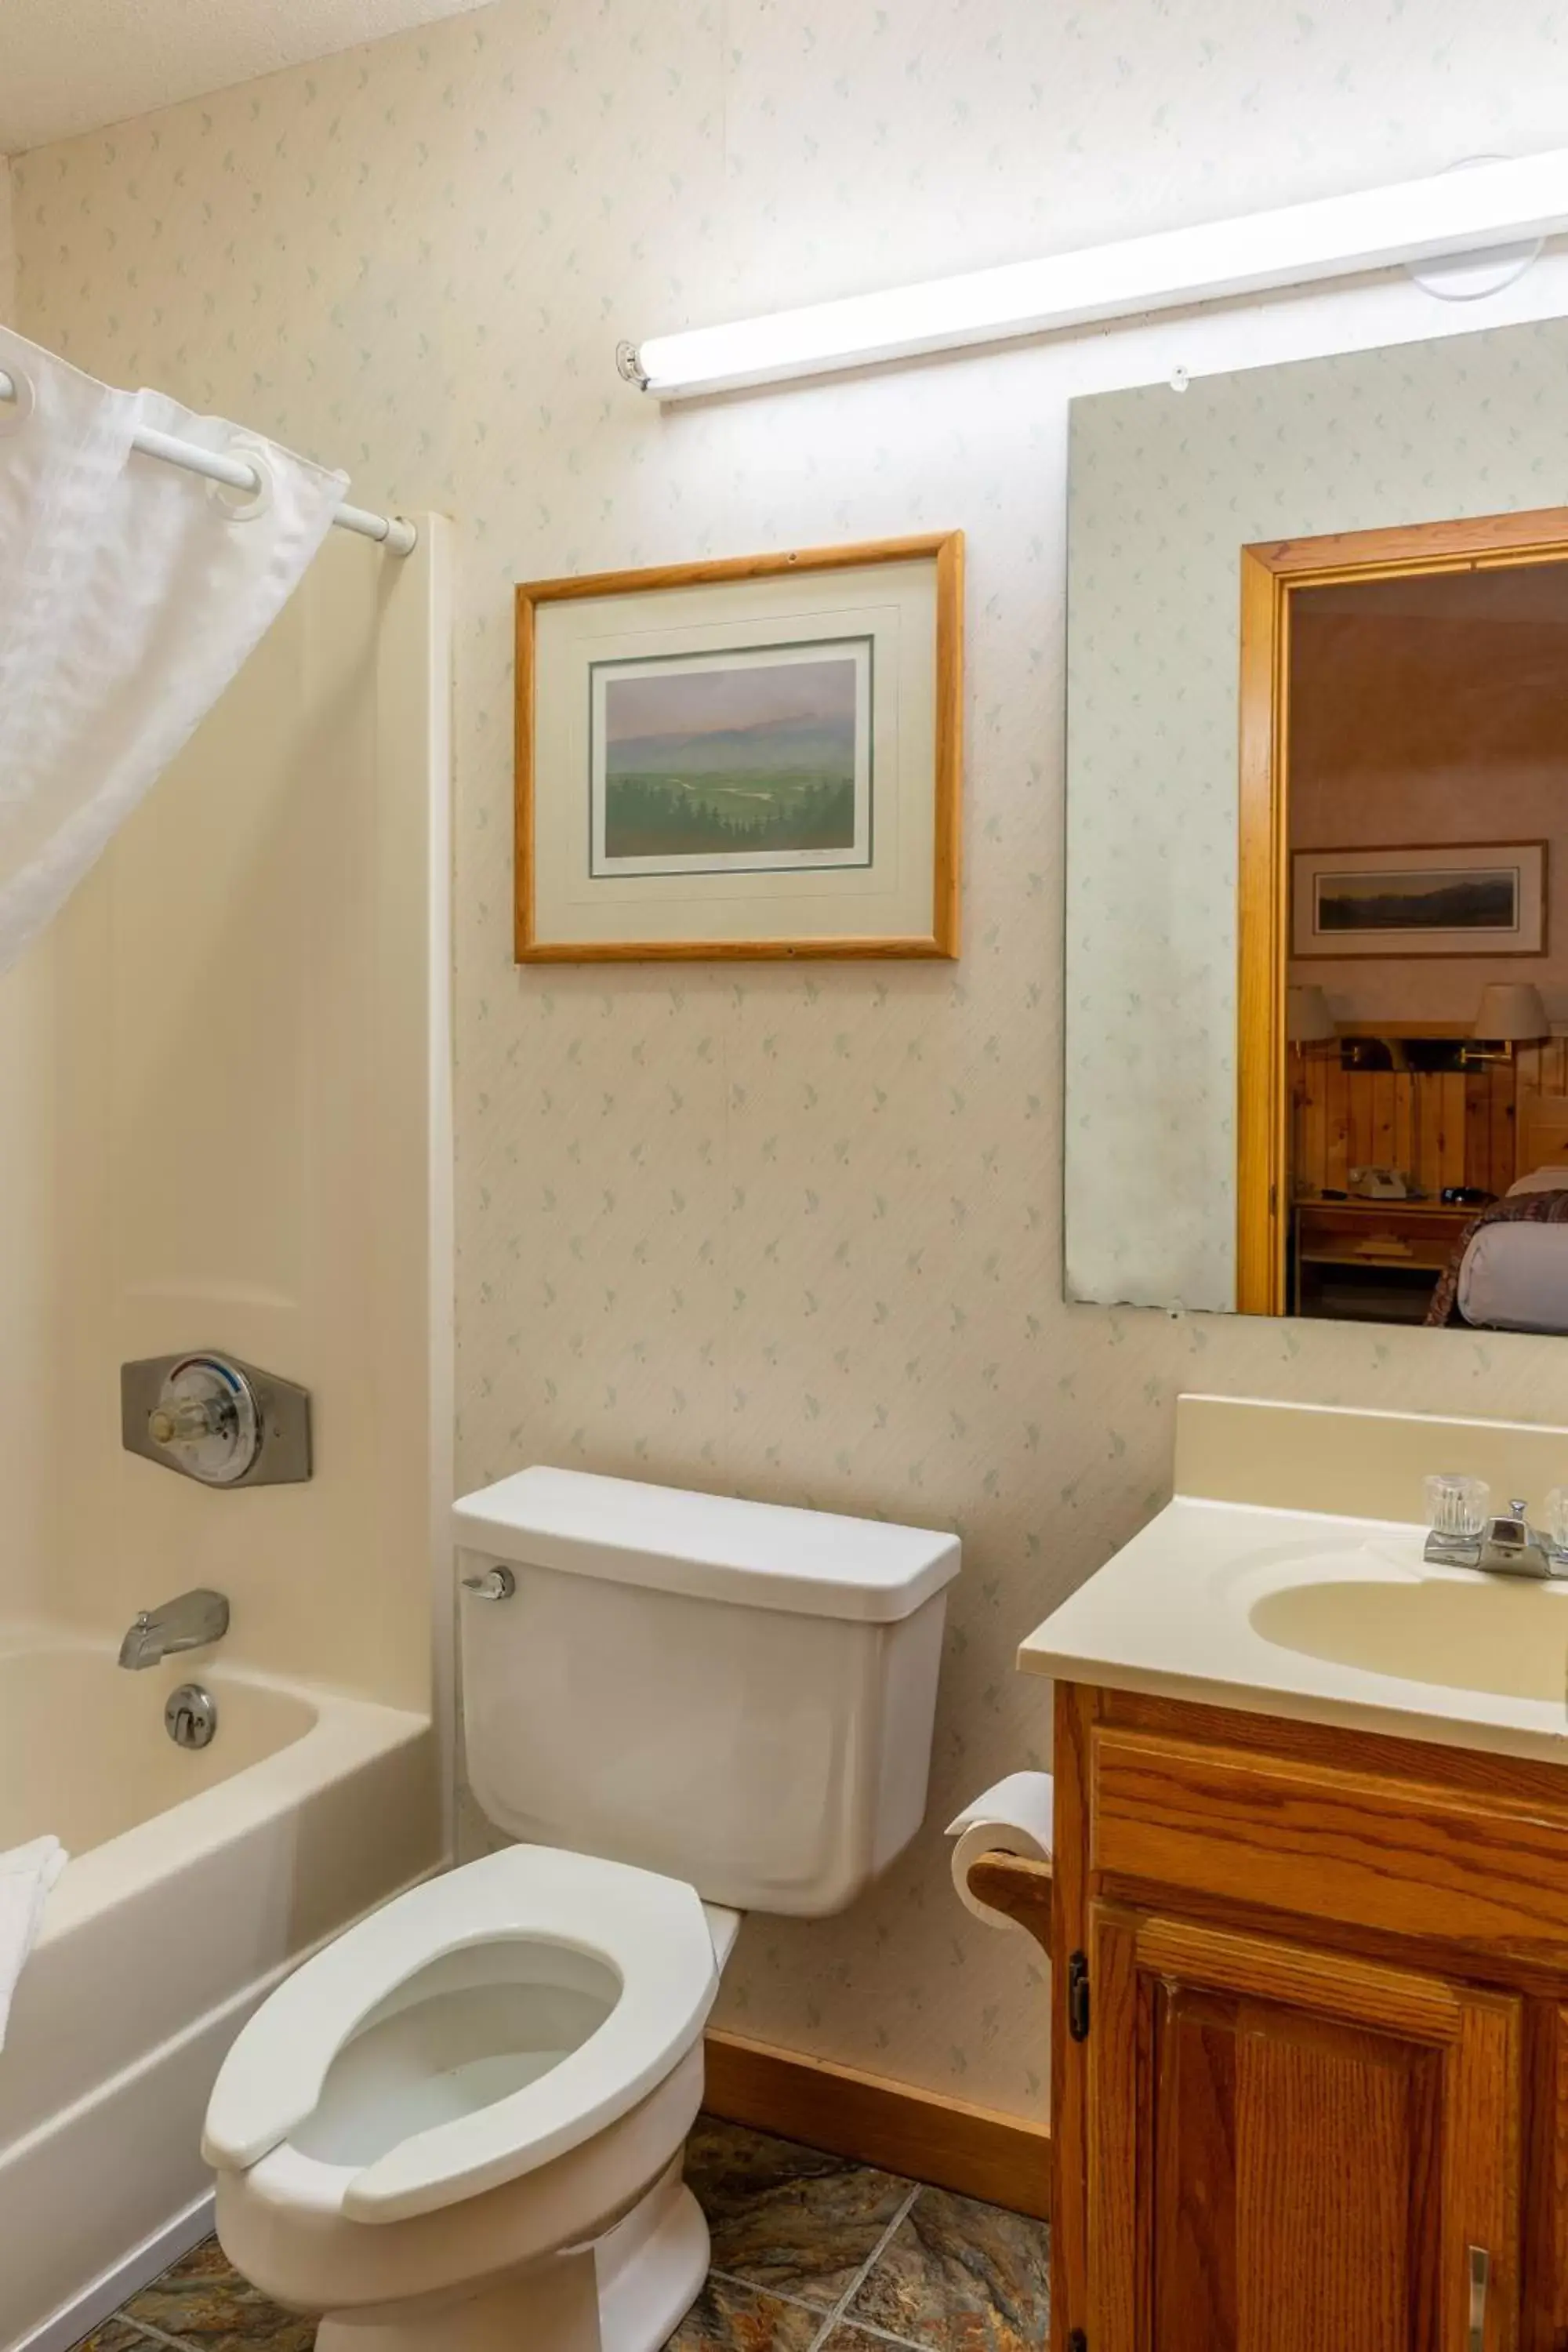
[(1510, 1010), (1307, 1016)]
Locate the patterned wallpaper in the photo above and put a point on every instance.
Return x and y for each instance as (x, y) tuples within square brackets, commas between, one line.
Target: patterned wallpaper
[(793, 1232), (1166, 487)]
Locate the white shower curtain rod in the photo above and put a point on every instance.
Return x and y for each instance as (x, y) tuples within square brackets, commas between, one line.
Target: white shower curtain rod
[(394, 533)]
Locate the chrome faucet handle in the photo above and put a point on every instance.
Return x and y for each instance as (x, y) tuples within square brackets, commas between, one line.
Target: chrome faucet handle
[(1457, 1508), (186, 1421), (1556, 1508)]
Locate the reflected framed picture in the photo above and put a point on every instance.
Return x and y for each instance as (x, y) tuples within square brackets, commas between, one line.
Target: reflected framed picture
[(754, 757), (1459, 899)]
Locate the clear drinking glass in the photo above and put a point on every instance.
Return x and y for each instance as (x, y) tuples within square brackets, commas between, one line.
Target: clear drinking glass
[(1456, 1506)]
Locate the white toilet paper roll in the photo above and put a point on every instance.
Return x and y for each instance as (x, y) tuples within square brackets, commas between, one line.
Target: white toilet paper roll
[(1015, 1817)]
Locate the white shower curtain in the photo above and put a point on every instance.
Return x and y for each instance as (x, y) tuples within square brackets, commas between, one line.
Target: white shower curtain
[(130, 594)]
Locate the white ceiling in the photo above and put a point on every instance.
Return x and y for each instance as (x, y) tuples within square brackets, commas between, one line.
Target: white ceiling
[(73, 65)]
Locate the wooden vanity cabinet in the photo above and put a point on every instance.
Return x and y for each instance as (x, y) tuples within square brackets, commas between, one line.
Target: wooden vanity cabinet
[(1310, 2038)]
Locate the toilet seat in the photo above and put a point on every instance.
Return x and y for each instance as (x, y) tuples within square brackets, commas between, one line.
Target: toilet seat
[(648, 1930)]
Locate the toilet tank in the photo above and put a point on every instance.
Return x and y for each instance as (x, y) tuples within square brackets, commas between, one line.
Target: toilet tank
[(732, 1693)]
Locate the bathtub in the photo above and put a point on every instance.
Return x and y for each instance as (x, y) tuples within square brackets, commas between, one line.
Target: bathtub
[(197, 1878)]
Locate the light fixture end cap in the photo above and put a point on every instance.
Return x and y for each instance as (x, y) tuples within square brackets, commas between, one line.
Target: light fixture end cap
[(629, 366)]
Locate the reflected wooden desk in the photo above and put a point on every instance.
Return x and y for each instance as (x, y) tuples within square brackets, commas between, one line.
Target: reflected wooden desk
[(1370, 1261)]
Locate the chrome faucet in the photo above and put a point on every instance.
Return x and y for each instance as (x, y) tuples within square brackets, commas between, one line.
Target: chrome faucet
[(1508, 1546), (186, 1623)]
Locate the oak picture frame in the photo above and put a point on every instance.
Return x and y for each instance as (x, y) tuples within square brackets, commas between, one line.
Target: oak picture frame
[(945, 552)]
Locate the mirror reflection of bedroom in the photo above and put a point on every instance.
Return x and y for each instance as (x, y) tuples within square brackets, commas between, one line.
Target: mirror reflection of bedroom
[(1424, 717)]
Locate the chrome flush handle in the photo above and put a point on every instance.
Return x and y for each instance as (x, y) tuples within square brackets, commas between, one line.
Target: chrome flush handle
[(1480, 2269), (496, 1584)]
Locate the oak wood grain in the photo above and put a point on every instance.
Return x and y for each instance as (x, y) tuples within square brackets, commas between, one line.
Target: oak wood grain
[(1077, 1709), (1481, 2150), (1120, 2247), (1261, 1099), (1018, 1887), (1410, 1859), (1331, 2228), (1195, 2294), (1286, 2155), (1475, 542), (925, 2135), (1292, 2118), (1545, 2219), (708, 571), (1360, 1992), (1254, 1731)]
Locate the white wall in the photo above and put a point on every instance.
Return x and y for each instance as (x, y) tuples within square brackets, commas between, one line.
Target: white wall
[(792, 1233)]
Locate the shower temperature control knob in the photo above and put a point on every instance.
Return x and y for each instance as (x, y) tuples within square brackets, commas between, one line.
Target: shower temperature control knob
[(206, 1417), (215, 1420)]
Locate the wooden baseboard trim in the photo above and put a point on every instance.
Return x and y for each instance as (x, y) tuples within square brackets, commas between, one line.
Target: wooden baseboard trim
[(920, 2134)]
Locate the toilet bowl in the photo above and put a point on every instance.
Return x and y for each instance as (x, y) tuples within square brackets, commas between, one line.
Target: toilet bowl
[(458, 2128), (464, 2118)]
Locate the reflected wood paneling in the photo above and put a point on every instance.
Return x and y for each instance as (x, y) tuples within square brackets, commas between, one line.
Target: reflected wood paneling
[(1480, 1127)]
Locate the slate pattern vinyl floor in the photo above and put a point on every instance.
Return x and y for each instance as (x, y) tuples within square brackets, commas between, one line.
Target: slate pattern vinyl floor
[(811, 2254)]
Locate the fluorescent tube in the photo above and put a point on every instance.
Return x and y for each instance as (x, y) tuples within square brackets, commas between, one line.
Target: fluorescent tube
[(1488, 204)]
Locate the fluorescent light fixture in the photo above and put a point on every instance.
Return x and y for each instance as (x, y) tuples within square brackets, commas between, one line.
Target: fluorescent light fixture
[(1485, 206)]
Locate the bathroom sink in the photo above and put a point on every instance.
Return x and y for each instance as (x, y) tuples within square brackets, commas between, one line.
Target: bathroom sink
[(1457, 1631), (1337, 1620), (1287, 1575)]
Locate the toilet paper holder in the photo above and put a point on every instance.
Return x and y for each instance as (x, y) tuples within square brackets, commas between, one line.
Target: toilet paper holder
[(1001, 1856), (1020, 1889)]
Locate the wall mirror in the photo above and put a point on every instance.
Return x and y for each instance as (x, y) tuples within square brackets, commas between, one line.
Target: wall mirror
[(1317, 1053)]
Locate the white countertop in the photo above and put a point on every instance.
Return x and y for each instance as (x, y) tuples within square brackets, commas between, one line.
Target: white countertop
[(1324, 1618)]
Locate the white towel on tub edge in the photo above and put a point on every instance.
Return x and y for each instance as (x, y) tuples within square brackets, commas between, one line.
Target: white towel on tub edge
[(27, 1874)]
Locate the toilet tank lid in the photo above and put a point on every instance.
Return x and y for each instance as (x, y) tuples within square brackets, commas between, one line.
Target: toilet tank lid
[(713, 1547)]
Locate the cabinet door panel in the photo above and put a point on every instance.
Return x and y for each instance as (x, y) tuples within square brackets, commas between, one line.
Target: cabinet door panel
[(1545, 2325), (1276, 2109), (1286, 2155)]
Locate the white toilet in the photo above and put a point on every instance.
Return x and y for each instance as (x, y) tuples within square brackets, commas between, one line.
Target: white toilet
[(460, 2125)]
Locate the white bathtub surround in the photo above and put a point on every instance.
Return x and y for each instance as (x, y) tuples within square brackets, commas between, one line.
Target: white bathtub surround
[(27, 1874), (293, 860), (129, 595), (1013, 1817), (314, 882), (199, 1879)]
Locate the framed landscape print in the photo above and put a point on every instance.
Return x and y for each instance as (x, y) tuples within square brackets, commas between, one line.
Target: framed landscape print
[(1485, 899), (755, 756)]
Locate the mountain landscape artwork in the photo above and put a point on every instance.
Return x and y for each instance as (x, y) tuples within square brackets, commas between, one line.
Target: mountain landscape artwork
[(734, 761), (1486, 899), (1435, 899), (742, 756)]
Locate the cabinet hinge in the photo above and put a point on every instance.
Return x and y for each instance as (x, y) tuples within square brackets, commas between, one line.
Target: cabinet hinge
[(1078, 1996)]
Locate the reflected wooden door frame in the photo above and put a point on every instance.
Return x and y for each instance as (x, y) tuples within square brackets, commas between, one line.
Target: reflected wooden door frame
[(1271, 571)]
